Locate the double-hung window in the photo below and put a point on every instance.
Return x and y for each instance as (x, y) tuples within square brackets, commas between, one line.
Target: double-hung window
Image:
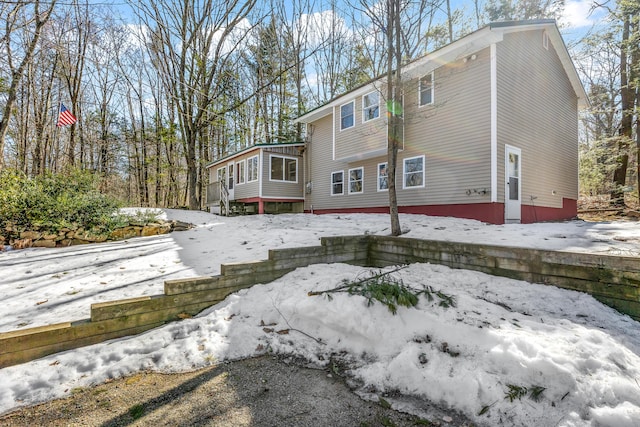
[(370, 106), (426, 90), (347, 115), (337, 183), (240, 171), (284, 169), (356, 177), (413, 173), (383, 178), (252, 169)]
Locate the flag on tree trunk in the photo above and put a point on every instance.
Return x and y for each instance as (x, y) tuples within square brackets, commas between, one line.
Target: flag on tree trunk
[(65, 117)]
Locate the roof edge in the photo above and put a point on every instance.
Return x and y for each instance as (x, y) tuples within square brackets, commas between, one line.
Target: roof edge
[(254, 147)]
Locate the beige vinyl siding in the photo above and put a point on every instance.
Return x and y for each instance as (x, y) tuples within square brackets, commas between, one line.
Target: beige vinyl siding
[(248, 189), (537, 112), (282, 189), (364, 137), (320, 165), (453, 134)]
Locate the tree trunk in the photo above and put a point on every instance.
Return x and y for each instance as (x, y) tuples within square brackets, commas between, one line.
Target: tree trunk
[(393, 102), (626, 123)]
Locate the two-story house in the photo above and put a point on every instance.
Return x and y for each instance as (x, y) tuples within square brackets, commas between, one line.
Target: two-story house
[(490, 132)]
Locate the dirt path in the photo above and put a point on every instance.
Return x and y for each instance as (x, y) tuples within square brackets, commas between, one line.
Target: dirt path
[(264, 391)]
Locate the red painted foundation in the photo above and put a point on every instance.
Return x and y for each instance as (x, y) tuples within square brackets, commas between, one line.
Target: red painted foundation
[(261, 201), (532, 213), (492, 213)]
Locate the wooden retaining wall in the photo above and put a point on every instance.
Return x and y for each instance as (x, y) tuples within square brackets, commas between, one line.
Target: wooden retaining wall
[(612, 280), (182, 298)]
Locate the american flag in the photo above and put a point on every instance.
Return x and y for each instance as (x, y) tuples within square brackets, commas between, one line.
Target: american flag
[(65, 117)]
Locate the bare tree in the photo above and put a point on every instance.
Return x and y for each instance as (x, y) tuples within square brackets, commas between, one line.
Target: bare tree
[(21, 20), (74, 31), (190, 43), (628, 12)]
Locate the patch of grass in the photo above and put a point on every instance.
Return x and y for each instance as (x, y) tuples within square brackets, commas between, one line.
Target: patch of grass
[(136, 411), (386, 422), (384, 403)]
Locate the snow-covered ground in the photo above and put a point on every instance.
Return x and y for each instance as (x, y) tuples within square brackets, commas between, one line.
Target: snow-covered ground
[(501, 333)]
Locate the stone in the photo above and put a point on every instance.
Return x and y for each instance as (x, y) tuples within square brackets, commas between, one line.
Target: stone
[(21, 243), (124, 233), (155, 229), (75, 242), (44, 244), (180, 225), (33, 235), (91, 237)]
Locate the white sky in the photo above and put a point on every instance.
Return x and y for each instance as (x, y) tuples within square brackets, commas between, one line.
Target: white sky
[(502, 331)]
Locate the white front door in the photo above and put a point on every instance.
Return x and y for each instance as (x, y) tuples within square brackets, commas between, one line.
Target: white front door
[(230, 175), (513, 185)]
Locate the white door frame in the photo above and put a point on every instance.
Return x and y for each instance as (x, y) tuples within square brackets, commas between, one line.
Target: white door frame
[(512, 190)]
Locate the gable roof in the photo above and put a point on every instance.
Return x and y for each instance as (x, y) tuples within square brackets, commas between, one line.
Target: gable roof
[(467, 45)]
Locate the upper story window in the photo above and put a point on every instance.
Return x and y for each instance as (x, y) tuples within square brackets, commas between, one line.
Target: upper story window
[(370, 106), (284, 169), (356, 180), (383, 178), (347, 115), (337, 183), (240, 171), (426, 90), (413, 173)]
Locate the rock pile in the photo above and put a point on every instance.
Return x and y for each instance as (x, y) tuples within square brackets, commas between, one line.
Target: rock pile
[(10, 238)]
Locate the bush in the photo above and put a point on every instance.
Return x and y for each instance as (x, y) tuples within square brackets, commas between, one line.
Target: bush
[(52, 202)]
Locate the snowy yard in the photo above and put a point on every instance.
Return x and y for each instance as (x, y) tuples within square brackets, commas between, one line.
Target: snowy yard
[(503, 335)]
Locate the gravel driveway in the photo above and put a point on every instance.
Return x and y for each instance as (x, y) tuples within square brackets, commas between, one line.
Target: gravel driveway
[(264, 391)]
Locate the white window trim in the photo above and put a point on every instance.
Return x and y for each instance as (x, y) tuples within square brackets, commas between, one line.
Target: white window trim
[(241, 169), (404, 173), (349, 181), (353, 102), (257, 168), (271, 156), (433, 79), (378, 176), (331, 185), (364, 108)]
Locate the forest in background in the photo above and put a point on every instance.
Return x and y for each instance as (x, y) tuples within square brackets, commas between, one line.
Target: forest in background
[(162, 88)]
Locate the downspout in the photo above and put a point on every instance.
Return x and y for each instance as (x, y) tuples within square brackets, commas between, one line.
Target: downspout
[(494, 124)]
